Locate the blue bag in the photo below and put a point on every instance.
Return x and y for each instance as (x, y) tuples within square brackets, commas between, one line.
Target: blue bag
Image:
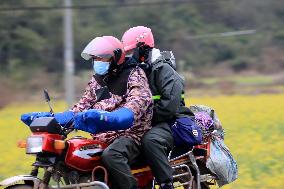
[(186, 132)]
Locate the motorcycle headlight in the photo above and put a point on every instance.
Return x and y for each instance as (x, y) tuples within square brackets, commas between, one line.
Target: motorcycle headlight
[(34, 144)]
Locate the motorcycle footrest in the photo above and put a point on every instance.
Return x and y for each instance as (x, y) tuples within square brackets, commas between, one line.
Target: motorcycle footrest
[(206, 177)]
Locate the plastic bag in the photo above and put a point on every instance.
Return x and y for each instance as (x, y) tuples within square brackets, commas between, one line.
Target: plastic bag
[(221, 162)]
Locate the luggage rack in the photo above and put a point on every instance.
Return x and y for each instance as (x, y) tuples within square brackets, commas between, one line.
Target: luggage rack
[(183, 163)]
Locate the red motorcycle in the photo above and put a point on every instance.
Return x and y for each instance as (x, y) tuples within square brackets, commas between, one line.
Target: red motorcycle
[(76, 162)]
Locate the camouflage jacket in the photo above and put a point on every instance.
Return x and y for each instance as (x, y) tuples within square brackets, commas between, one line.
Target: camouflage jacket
[(138, 98)]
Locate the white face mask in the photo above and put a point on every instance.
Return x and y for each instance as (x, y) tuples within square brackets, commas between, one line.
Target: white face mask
[(100, 67)]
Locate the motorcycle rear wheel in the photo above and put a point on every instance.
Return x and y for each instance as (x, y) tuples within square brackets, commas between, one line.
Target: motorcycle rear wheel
[(19, 186)]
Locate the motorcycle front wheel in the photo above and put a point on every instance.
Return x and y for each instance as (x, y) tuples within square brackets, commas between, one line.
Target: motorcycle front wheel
[(19, 186)]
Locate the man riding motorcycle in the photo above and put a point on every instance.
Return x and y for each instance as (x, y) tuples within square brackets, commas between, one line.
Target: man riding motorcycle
[(167, 87), (120, 119)]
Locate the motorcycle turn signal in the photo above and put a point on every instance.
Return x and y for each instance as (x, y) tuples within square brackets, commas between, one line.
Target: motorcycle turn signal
[(22, 144), (59, 144)]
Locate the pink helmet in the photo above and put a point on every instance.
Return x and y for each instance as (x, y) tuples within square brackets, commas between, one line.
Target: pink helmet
[(135, 35), (105, 47)]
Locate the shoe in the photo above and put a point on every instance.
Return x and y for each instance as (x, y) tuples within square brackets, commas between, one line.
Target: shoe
[(168, 185)]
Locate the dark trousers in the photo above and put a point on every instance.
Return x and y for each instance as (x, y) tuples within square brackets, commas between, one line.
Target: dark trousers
[(156, 144), (117, 157)]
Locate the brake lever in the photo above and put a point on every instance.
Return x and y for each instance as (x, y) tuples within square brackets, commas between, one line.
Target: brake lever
[(70, 129)]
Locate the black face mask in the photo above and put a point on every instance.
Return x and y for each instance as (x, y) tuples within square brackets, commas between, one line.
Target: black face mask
[(148, 55), (143, 53), (136, 57), (142, 57)]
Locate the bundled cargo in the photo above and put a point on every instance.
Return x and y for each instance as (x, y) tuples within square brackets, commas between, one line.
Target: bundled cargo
[(220, 161)]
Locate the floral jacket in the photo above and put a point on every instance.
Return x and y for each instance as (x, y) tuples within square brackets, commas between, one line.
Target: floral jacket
[(138, 98)]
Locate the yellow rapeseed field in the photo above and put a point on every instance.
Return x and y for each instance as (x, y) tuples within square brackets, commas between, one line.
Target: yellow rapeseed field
[(254, 133)]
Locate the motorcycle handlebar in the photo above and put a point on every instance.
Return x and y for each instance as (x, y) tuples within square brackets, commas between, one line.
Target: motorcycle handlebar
[(67, 131)]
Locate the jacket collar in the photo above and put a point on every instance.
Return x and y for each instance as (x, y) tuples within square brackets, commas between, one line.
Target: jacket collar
[(155, 54)]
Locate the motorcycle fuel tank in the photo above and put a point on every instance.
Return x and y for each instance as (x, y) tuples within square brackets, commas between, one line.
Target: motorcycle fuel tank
[(84, 154)]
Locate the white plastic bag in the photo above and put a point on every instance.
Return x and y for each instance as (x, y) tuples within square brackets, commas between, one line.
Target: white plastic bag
[(221, 162)]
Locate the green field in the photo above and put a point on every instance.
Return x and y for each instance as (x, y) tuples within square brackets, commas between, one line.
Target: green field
[(254, 133)]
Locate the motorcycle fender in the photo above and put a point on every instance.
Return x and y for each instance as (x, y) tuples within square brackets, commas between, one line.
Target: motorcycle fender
[(20, 178)]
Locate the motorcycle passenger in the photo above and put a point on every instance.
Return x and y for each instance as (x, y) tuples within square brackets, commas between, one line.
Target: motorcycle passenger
[(166, 86), (122, 116)]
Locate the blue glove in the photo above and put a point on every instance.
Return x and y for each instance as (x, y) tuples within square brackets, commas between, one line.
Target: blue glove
[(81, 124), (96, 121), (28, 118), (64, 118)]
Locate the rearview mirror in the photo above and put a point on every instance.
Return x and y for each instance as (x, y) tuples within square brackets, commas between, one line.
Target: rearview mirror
[(46, 95), (47, 99)]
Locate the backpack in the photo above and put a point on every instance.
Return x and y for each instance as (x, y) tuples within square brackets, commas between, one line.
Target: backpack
[(166, 57), (169, 58)]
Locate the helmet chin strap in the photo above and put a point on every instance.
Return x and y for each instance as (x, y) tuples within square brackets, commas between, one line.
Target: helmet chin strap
[(117, 55), (114, 67)]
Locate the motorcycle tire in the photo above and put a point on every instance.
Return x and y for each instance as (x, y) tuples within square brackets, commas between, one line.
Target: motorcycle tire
[(19, 186)]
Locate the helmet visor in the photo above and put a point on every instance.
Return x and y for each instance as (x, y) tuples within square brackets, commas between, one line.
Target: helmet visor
[(96, 48)]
